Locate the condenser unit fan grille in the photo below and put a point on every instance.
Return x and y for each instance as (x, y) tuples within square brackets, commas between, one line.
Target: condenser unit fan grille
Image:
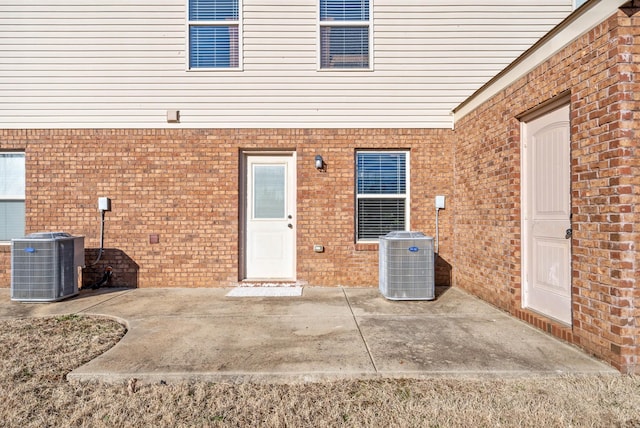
[(44, 268), (406, 266)]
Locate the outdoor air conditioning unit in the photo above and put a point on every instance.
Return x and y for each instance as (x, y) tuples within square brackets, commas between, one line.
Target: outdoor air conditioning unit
[(44, 266), (407, 266)]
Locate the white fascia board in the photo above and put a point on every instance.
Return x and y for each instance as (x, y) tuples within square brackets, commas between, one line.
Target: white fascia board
[(579, 22)]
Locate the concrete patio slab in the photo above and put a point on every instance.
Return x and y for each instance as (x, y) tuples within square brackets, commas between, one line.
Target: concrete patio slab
[(327, 333)]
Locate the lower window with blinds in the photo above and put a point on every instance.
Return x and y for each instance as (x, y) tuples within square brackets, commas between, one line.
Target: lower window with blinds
[(382, 191), (12, 195)]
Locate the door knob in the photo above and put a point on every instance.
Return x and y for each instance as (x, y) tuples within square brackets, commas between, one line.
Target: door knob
[(290, 226), (568, 234)]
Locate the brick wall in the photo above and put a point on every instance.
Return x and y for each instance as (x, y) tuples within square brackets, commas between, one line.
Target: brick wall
[(600, 71), (183, 186), (5, 266)]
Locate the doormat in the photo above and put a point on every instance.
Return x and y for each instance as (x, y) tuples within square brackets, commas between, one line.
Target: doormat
[(265, 292)]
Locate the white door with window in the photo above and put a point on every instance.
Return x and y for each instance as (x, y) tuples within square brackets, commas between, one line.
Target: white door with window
[(546, 206), (270, 217)]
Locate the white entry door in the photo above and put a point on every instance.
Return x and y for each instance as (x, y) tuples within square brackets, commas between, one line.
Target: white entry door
[(546, 190), (270, 214)]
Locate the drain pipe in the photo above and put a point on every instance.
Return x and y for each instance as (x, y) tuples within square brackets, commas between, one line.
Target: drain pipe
[(436, 247), (439, 206)]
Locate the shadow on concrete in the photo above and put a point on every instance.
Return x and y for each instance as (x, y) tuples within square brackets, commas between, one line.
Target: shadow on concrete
[(441, 290)]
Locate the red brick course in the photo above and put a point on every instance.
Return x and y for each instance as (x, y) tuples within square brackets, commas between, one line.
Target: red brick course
[(183, 187), (600, 72)]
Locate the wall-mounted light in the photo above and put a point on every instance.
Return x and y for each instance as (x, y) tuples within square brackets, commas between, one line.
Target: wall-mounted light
[(319, 163)]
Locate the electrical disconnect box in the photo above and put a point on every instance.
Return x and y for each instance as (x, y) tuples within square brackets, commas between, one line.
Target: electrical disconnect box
[(440, 202), (104, 204)]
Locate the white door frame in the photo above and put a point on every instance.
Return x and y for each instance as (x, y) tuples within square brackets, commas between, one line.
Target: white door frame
[(284, 226), (558, 306)]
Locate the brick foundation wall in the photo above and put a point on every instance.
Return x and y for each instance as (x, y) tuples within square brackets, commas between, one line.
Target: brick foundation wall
[(600, 72), (183, 186)]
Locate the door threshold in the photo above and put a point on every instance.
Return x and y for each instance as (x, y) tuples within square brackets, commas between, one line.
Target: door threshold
[(268, 283), (265, 292)]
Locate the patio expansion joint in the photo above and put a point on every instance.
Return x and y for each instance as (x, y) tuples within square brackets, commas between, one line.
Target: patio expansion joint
[(355, 320), (88, 309)]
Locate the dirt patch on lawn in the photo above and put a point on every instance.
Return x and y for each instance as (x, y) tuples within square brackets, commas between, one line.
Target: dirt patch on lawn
[(37, 354)]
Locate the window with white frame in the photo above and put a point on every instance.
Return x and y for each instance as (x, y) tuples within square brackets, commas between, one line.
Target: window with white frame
[(345, 30), (382, 193), (12, 195), (214, 34)]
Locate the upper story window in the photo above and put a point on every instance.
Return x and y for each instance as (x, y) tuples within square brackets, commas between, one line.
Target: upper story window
[(382, 189), (214, 34), (12, 195), (345, 32)]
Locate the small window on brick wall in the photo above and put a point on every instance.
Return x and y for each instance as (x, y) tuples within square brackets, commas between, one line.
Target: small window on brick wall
[(12, 195), (382, 189)]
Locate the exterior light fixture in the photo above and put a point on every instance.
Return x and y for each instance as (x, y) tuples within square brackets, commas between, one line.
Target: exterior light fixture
[(319, 163)]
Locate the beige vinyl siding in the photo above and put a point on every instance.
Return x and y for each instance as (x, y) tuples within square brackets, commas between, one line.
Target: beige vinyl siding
[(123, 63), (577, 24)]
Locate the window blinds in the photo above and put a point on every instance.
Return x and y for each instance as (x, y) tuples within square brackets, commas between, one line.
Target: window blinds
[(213, 34), (12, 195), (381, 173), (377, 217), (213, 46), (344, 10), (381, 186), (213, 10), (344, 47)]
